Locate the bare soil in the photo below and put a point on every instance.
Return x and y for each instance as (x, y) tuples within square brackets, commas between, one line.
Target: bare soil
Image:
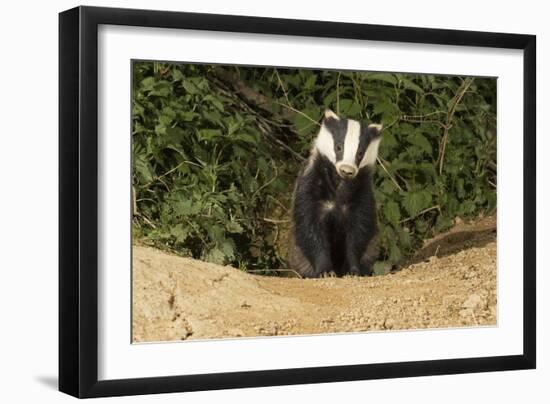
[(450, 283)]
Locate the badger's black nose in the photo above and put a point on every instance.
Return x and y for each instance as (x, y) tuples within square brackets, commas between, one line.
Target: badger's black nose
[(347, 171)]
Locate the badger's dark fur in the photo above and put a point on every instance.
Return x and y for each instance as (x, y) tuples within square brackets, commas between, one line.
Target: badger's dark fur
[(334, 213)]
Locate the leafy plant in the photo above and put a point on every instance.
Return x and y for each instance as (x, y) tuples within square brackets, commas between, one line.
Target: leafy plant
[(216, 151)]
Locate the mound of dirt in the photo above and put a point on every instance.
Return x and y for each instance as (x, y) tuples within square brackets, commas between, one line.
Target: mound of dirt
[(176, 298)]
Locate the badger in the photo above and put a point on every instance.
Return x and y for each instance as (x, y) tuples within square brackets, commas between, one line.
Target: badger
[(334, 223)]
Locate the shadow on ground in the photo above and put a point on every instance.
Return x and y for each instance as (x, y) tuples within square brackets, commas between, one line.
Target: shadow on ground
[(461, 237), (454, 242)]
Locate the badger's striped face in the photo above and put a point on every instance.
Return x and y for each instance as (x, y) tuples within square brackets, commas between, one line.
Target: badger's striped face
[(348, 144)]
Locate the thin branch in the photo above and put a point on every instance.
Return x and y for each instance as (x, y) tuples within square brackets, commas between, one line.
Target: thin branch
[(338, 94), (421, 213), (280, 143), (298, 112), (387, 172), (145, 219), (279, 203), (266, 125), (448, 124), (267, 183), (160, 177), (282, 87), (134, 200), (390, 125), (420, 117), (275, 221)]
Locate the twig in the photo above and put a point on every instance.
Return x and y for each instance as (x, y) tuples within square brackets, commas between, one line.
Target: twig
[(421, 117), (387, 172), (267, 183), (276, 236), (278, 203), (242, 96), (145, 219), (275, 221), (338, 94), (448, 124), (169, 172), (265, 124), (134, 200), (421, 213), (281, 144), (282, 87), (298, 112), (390, 125)]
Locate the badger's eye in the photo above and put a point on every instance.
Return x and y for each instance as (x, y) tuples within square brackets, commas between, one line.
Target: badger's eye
[(338, 148)]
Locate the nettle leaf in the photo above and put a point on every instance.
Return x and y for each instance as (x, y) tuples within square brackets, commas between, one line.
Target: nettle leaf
[(303, 124), (391, 211), (147, 83), (310, 82), (180, 232), (161, 89), (246, 138), (214, 101), (215, 255), (385, 77), (177, 75), (388, 141), (414, 202), (418, 139), (395, 253), (186, 207), (216, 232), (381, 267), (233, 227), (190, 87), (410, 85), (209, 134), (228, 248), (142, 167), (388, 112), (349, 108), (160, 129)]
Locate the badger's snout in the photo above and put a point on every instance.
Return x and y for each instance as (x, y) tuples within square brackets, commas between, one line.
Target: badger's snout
[(346, 171)]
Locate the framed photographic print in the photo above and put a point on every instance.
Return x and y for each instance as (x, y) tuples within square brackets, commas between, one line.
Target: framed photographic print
[(252, 201)]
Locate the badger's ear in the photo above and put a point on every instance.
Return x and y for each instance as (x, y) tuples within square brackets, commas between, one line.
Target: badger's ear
[(375, 129), (371, 154), (329, 114)]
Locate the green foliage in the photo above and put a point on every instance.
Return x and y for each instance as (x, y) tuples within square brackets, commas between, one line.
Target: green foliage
[(216, 151)]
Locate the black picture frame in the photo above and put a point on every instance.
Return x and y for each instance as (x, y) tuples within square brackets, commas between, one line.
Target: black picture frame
[(78, 201)]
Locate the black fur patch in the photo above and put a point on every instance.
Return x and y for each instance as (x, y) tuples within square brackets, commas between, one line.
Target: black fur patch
[(338, 129)]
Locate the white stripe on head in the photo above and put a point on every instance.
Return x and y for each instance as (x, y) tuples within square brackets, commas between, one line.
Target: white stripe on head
[(351, 142), (369, 159), (324, 143)]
